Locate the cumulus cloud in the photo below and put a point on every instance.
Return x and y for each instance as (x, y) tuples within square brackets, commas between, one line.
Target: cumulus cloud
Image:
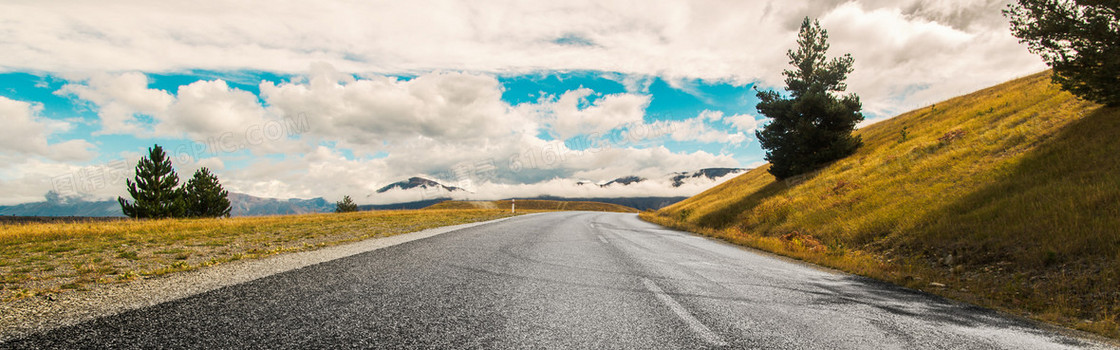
[(659, 186), (574, 113), (215, 117), (909, 51), (205, 109), (521, 163), (120, 100), (745, 123), (25, 179), (25, 132), (366, 131), (374, 112), (365, 126), (904, 61), (699, 129)]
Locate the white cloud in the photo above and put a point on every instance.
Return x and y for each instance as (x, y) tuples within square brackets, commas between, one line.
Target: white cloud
[(657, 186), (328, 173), (711, 116), (695, 130), (120, 100), (654, 164), (907, 52), (745, 123), (25, 132), (648, 162), (215, 117), (27, 179), (375, 113), (212, 163), (428, 126), (24, 180), (204, 109), (699, 129), (906, 61), (575, 113)]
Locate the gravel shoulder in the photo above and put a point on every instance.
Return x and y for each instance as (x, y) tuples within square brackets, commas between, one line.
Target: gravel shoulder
[(33, 315)]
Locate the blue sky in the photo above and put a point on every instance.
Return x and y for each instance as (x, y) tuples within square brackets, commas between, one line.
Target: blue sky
[(667, 103), (329, 99), (687, 105)]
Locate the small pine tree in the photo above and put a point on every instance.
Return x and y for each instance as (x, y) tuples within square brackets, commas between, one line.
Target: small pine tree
[(814, 126), (205, 197), (346, 205), (155, 193)]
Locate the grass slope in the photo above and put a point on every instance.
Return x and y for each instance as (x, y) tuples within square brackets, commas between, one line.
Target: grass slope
[(1008, 197), (535, 204), (49, 258)]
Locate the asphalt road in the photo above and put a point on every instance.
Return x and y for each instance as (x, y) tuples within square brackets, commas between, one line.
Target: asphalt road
[(559, 280)]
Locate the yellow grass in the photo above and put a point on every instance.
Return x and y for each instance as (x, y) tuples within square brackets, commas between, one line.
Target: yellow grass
[(1010, 196), (47, 258), (535, 204)]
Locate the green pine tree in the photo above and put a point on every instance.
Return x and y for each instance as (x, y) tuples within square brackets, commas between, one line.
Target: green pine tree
[(205, 197), (155, 193), (346, 205), (814, 126), (1079, 39)]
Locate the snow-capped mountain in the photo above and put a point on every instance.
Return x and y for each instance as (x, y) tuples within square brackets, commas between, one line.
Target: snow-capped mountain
[(710, 174), (639, 192), (702, 176), (418, 192), (417, 183)]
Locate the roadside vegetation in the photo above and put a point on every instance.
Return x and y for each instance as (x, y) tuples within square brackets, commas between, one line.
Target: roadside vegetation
[(813, 125), (1008, 197), (1079, 40), (534, 204), (156, 193), (41, 259), (346, 205)]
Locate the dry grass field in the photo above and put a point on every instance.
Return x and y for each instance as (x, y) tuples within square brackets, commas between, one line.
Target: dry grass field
[(1008, 197), (49, 258)]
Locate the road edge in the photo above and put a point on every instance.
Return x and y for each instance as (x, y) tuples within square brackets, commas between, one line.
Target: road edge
[(29, 316), (1100, 340)]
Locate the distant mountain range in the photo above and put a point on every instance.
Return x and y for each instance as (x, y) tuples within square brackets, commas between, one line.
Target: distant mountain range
[(676, 179), (241, 205), (247, 205), (403, 205), (640, 203), (443, 192), (56, 205)]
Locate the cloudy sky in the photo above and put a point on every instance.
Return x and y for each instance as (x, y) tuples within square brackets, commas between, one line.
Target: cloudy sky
[(509, 98)]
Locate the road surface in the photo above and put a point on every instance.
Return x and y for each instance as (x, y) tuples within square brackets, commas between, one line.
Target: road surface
[(559, 280)]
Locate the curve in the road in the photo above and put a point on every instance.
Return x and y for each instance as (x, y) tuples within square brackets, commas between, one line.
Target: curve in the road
[(560, 280)]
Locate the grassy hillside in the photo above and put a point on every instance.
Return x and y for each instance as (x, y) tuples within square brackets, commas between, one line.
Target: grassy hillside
[(535, 204), (1008, 197), (50, 258)]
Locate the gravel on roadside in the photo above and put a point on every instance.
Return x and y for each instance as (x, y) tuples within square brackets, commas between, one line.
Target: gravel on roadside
[(39, 314)]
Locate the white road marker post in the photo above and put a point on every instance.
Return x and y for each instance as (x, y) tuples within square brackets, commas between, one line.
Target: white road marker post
[(513, 206)]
